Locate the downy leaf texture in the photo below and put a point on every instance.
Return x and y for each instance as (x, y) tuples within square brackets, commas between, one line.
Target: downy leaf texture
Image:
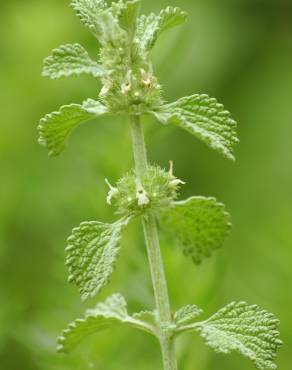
[(127, 14), (91, 253), (71, 60), (89, 11), (198, 224), (102, 20), (187, 314), (55, 127), (128, 83), (152, 26), (245, 328), (204, 118), (149, 317), (113, 311)]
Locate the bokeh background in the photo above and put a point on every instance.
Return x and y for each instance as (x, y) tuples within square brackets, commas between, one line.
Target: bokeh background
[(239, 51)]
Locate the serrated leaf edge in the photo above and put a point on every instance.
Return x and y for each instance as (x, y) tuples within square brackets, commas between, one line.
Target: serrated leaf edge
[(198, 326), (131, 320), (123, 222)]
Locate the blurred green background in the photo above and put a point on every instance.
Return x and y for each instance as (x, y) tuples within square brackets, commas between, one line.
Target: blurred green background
[(239, 51)]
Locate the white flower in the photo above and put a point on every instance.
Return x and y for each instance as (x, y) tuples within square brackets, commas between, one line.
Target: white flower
[(142, 197)]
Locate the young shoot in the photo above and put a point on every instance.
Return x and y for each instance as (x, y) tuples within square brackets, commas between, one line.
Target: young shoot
[(199, 225)]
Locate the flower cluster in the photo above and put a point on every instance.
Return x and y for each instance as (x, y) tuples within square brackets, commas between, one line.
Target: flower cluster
[(155, 192)]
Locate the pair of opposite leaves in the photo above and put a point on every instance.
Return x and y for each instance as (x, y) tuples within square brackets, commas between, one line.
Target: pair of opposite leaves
[(93, 247), (200, 115)]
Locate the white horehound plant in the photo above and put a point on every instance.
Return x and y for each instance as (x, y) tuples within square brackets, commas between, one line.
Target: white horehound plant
[(198, 225)]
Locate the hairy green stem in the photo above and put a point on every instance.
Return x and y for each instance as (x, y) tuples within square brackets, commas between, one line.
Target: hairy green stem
[(154, 254)]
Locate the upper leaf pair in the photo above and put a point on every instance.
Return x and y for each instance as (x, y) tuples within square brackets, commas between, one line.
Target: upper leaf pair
[(126, 12), (110, 24), (129, 85), (200, 115)]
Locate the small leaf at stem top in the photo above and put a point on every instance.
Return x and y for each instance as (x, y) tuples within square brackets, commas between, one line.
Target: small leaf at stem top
[(152, 26), (127, 14), (88, 11)]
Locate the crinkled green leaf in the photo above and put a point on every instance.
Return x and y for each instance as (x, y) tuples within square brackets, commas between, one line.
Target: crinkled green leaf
[(112, 311), (55, 127), (110, 33), (89, 11), (69, 60), (187, 314), (198, 224), (100, 18), (247, 329), (147, 317), (147, 30), (171, 17), (127, 13), (150, 27), (204, 118), (91, 253)]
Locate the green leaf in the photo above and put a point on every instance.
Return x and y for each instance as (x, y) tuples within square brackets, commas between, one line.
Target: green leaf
[(89, 11), (55, 127), (171, 17), (186, 314), (149, 317), (69, 60), (100, 19), (247, 329), (113, 311), (199, 225), (91, 253), (128, 15), (204, 118), (151, 27)]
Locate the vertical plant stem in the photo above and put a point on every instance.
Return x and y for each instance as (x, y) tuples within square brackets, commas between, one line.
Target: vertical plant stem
[(154, 253)]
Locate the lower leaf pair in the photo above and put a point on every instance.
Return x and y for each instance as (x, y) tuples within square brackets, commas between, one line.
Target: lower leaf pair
[(238, 326), (199, 225)]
